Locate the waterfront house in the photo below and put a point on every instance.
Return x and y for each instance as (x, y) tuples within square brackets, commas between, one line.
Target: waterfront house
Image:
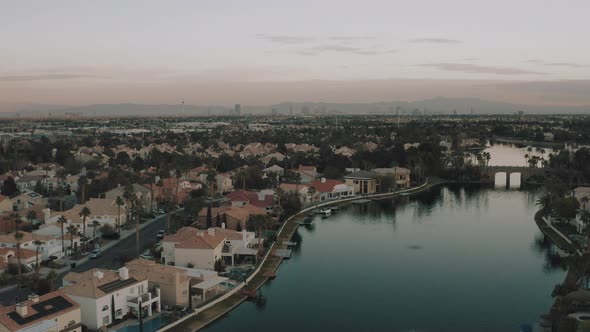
[(301, 190), (306, 173), (328, 189), (105, 295), (364, 182), (202, 248), (51, 312), (400, 175), (173, 282)]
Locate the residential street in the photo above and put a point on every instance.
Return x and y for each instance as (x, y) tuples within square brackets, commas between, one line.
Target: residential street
[(124, 248)]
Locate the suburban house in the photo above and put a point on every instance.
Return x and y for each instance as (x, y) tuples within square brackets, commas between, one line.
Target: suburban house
[(141, 192), (200, 249), (305, 196), (234, 217), (103, 210), (29, 181), (106, 295), (241, 198), (307, 174), (52, 312), (327, 189), (305, 148), (345, 151), (6, 204), (274, 169), (173, 282), (582, 194), (268, 158), (364, 182), (49, 245), (172, 189), (27, 199), (27, 257), (400, 175), (53, 231)]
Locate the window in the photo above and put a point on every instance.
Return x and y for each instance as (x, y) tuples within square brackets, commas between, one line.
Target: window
[(106, 320), (105, 308)]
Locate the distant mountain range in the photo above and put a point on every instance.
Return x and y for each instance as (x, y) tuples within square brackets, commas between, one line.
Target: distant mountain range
[(438, 105)]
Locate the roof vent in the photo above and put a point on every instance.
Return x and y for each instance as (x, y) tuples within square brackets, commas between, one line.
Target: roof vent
[(22, 309), (99, 274), (323, 180), (34, 298)]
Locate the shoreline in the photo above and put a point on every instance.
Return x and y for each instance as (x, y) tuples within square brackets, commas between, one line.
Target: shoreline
[(270, 264)]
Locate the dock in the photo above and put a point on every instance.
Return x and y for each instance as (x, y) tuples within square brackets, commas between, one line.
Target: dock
[(283, 253)]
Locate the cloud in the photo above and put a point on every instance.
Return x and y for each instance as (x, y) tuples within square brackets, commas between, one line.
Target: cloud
[(41, 77), (285, 39), (471, 68), (566, 64), (351, 38), (317, 50), (434, 41)]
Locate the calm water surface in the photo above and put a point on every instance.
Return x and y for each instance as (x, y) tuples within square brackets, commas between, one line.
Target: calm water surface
[(511, 155), (452, 259)]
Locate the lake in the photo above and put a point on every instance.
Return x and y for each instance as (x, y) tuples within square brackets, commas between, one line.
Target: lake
[(451, 259)]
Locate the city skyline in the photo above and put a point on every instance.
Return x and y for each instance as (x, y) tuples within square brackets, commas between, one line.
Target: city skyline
[(203, 52)]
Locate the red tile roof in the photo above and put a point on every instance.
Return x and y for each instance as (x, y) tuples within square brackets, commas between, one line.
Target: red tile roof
[(250, 197), (325, 187)]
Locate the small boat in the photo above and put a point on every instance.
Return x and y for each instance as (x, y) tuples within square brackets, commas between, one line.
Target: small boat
[(326, 211), (308, 220)]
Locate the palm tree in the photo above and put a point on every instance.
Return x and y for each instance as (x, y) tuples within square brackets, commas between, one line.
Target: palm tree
[(585, 218), (37, 244), (72, 230), (542, 151), (51, 277), (128, 196), (95, 225), (18, 236), (119, 201), (544, 203), (62, 221), (31, 215), (84, 214)]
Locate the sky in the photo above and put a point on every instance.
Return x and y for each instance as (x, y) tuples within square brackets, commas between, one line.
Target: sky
[(77, 52)]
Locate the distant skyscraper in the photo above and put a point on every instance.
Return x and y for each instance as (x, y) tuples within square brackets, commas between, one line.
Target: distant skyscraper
[(237, 109), (305, 110)]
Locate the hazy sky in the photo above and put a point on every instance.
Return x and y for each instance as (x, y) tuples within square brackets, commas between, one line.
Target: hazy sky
[(69, 51)]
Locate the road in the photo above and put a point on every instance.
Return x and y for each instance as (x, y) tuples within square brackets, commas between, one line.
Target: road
[(109, 259)]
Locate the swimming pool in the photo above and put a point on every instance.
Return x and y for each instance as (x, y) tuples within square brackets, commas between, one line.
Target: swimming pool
[(149, 326)]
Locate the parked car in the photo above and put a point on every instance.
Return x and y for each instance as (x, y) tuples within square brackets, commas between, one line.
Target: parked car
[(147, 255), (95, 254), (161, 234)]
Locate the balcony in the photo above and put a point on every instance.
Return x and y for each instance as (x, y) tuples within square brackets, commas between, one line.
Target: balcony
[(146, 298)]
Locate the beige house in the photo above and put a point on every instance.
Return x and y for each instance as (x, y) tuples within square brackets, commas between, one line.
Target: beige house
[(400, 174), (141, 192), (52, 312), (582, 194), (364, 182), (103, 210), (5, 204), (173, 282), (28, 199)]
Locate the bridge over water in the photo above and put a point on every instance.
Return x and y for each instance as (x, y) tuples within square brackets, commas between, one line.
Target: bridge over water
[(511, 176)]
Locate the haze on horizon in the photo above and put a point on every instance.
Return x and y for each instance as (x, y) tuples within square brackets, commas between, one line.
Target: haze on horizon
[(68, 52)]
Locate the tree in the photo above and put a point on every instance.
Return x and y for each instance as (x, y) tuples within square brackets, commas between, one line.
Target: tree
[(137, 209), (585, 218), (31, 215), (38, 245), (209, 217), (95, 225), (52, 278), (544, 203), (62, 221), (219, 266), (84, 214), (119, 201), (584, 200), (18, 236), (72, 230), (9, 187)]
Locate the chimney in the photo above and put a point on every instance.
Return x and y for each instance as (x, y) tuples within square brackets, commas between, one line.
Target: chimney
[(211, 231), (98, 274), (323, 180), (22, 309), (261, 196), (124, 273), (223, 225), (34, 298)]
